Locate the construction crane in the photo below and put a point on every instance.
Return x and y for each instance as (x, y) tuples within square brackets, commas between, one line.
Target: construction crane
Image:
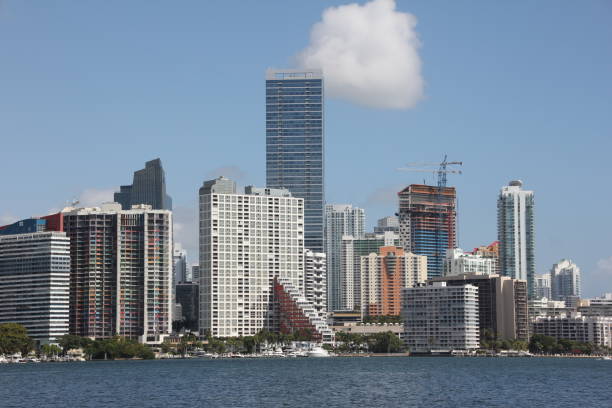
[(441, 171)]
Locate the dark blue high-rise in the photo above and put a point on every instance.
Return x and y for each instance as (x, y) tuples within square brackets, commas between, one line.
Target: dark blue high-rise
[(294, 143)]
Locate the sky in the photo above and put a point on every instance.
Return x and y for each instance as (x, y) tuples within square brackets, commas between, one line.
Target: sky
[(89, 91)]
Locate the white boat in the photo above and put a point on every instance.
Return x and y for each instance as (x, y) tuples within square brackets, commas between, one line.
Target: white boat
[(606, 358), (318, 352)]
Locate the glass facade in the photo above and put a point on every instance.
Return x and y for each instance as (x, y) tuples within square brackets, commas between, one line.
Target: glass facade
[(148, 187), (294, 143)]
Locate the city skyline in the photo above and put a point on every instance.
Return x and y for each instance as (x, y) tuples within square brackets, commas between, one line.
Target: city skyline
[(195, 146)]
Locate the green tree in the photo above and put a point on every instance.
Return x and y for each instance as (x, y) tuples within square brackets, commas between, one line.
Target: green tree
[(50, 350), (386, 342), (13, 338), (69, 341)]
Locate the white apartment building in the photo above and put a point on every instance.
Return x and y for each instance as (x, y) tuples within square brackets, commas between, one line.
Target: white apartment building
[(542, 286), (516, 233), (458, 262), (34, 283), (246, 240), (565, 280), (593, 329), (315, 280), (340, 220), (440, 318)]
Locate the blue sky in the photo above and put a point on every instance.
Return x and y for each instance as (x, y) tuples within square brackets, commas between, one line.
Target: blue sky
[(91, 90)]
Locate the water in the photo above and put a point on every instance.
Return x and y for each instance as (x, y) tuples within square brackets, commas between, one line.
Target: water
[(310, 382)]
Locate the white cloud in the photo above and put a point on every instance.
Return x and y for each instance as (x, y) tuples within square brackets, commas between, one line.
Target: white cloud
[(93, 197), (368, 53), (231, 171), (384, 195), (7, 219), (604, 266)]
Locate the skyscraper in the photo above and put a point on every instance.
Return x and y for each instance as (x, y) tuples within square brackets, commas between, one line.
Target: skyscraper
[(246, 241), (34, 280), (428, 223), (148, 187), (121, 272), (350, 265), (384, 275), (565, 280), (295, 143), (340, 220), (516, 235), (542, 286), (179, 264)]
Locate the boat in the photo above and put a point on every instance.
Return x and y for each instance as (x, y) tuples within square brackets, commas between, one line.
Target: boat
[(605, 358), (318, 352)]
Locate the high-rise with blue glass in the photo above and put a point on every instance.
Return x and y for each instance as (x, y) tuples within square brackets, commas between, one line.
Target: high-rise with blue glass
[(294, 143)]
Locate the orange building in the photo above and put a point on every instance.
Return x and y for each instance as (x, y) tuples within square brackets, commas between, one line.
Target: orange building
[(383, 275)]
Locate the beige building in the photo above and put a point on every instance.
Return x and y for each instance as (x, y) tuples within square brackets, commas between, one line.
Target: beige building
[(384, 275)]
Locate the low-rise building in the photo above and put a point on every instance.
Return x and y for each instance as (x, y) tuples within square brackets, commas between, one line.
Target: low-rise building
[(458, 262), (599, 306), (440, 318), (371, 328), (584, 329), (544, 307)]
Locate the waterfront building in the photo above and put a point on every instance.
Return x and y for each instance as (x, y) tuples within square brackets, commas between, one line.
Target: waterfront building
[(351, 251), (599, 306), (502, 302), (565, 281), (148, 187), (387, 224), (440, 318), (542, 286), (367, 329), (384, 275), (295, 143), (296, 315), (179, 264), (543, 307), (34, 281), (458, 262), (427, 216), (188, 296), (246, 240), (516, 233), (490, 251), (340, 220), (315, 280), (596, 330), (121, 272)]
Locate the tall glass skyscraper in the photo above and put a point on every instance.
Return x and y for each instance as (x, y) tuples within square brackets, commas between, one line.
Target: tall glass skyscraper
[(148, 187), (294, 143), (516, 233)]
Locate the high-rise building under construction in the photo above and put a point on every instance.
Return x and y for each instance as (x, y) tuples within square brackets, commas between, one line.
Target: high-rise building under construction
[(428, 217)]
